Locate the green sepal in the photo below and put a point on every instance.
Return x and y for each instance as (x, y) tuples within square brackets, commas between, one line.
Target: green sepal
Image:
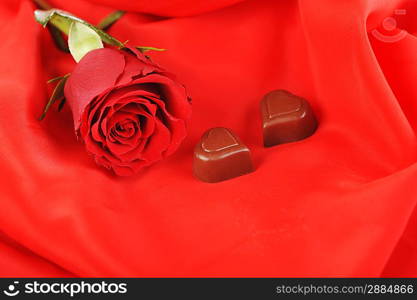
[(61, 104), (81, 40), (52, 80), (144, 49), (57, 94), (112, 18)]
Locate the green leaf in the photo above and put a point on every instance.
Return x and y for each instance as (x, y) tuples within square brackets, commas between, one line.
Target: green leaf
[(52, 80), (57, 94), (63, 20), (145, 49), (112, 18), (82, 39)]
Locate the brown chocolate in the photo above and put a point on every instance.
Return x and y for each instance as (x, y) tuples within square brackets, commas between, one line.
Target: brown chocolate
[(220, 155), (286, 118)]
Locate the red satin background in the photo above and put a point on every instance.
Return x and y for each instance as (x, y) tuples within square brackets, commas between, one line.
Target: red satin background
[(341, 203)]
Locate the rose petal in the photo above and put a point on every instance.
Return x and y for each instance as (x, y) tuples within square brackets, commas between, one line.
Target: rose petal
[(120, 95), (119, 117), (176, 126), (99, 150), (155, 147), (147, 124), (130, 168), (97, 131), (165, 88), (94, 74), (134, 67), (171, 92), (139, 55), (123, 170)]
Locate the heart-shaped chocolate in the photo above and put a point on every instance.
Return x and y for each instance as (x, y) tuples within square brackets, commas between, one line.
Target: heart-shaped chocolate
[(220, 155)]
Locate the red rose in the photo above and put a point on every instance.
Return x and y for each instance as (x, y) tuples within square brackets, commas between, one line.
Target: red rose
[(129, 112)]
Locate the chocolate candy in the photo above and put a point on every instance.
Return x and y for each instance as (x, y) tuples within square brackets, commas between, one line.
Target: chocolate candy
[(220, 155), (286, 118)]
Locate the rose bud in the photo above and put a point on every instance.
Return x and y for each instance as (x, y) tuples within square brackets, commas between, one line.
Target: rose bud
[(129, 112)]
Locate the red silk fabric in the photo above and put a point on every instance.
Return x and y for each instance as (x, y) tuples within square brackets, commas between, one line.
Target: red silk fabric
[(341, 203)]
